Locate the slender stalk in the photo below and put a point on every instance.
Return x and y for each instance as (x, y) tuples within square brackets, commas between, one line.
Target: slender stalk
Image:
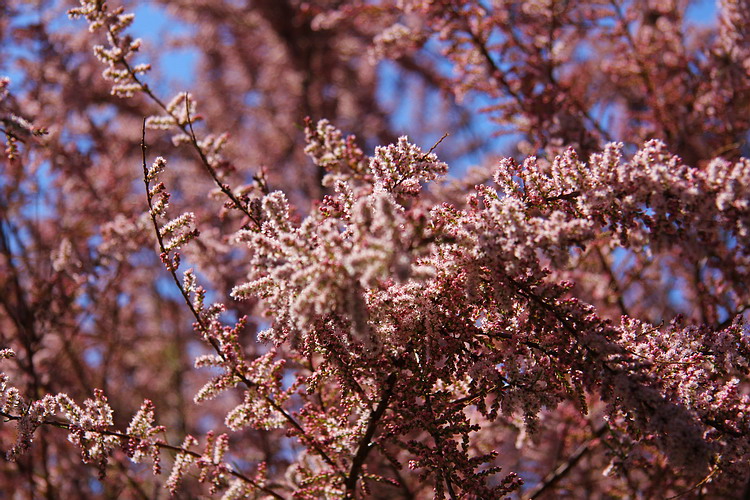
[(562, 470), (161, 445), (204, 328), (187, 129)]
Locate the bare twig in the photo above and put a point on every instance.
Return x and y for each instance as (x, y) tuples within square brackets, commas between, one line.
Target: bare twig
[(700, 483), (613, 282), (212, 171), (434, 146), (564, 468)]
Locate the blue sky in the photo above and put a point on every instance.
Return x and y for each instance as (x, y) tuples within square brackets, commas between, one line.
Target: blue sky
[(175, 69)]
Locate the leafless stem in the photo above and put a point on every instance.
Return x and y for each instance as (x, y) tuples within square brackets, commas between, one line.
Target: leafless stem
[(613, 283), (564, 468)]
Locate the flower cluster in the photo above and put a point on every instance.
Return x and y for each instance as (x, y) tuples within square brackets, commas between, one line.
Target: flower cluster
[(488, 291), (15, 127), (142, 431), (354, 240), (121, 48)]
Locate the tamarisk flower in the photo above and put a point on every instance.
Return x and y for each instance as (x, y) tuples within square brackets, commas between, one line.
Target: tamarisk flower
[(583, 310), (120, 49), (14, 127), (143, 442), (321, 267)]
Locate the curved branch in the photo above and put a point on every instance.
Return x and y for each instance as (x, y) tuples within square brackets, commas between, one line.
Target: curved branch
[(203, 327)]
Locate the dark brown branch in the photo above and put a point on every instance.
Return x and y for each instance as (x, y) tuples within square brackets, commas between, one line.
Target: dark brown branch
[(364, 447), (564, 468)]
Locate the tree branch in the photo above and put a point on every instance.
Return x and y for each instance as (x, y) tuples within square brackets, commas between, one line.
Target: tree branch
[(364, 447), (159, 444), (563, 469)]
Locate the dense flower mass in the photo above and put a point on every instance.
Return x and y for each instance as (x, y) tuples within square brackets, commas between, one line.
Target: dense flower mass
[(223, 294)]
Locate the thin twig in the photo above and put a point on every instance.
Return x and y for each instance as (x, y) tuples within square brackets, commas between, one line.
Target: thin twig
[(205, 328), (434, 146), (700, 483), (563, 469), (159, 444), (613, 282), (212, 172), (187, 130), (497, 74)]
